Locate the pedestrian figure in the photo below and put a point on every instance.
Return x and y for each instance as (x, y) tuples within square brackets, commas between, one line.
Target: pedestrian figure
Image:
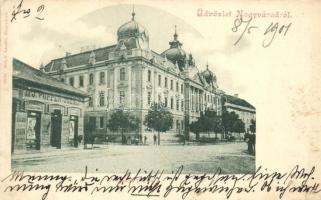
[(248, 139), (252, 139), (123, 139), (145, 138), (155, 138)]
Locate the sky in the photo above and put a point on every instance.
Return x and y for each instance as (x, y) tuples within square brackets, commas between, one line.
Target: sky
[(37, 42)]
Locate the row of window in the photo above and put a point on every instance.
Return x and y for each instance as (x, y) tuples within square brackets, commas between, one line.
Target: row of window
[(102, 78), (149, 74), (102, 99), (149, 101), (71, 80)]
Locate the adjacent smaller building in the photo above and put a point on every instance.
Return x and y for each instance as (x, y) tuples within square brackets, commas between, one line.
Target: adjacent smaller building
[(241, 107), (46, 113)]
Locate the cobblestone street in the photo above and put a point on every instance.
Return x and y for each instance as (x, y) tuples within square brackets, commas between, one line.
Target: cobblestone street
[(230, 157)]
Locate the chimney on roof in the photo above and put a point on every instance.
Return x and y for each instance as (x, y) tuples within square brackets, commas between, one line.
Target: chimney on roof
[(68, 54), (236, 95)]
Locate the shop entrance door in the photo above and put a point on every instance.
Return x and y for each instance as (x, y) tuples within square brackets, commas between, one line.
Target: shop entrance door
[(55, 138), (73, 130), (33, 130)]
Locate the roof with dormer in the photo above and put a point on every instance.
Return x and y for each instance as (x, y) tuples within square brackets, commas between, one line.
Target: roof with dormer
[(79, 59)]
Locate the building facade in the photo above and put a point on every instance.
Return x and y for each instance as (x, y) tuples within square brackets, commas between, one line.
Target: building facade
[(45, 112), (241, 107), (130, 76)]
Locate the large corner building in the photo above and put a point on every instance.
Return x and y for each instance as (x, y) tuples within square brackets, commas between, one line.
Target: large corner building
[(130, 76)]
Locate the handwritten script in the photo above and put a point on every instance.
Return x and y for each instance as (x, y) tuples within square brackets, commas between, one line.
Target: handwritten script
[(156, 183), (19, 10), (270, 32)]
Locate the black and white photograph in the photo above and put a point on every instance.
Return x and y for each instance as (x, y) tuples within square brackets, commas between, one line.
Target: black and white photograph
[(123, 105), (167, 91)]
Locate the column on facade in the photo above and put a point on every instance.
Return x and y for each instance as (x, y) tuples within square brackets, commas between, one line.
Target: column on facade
[(144, 91), (198, 98), (115, 87), (191, 98), (129, 86), (154, 85)]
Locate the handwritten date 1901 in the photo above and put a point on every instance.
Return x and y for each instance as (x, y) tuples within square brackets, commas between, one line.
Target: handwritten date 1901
[(269, 33), (25, 12)]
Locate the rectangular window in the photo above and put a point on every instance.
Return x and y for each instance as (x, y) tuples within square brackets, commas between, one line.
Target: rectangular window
[(101, 122), (172, 103), (172, 85), (121, 97), (182, 105), (177, 104), (149, 95), (122, 74), (91, 79), (165, 82), (101, 99), (81, 81), (149, 74), (102, 78), (165, 101), (91, 102), (176, 86), (177, 124), (159, 80), (71, 81), (182, 89)]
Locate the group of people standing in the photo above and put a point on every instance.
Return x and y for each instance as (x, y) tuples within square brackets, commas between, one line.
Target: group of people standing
[(154, 138)]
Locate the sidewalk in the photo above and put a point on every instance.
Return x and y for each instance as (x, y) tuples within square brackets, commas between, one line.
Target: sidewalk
[(35, 155)]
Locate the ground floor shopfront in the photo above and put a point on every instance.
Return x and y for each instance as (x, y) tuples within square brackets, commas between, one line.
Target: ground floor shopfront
[(38, 125), (45, 116)]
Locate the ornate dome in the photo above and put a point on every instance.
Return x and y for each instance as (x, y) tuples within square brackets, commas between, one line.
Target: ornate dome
[(209, 76), (175, 53), (131, 29)]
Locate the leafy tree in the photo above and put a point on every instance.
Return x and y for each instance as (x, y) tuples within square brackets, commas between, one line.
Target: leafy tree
[(196, 128), (120, 120), (239, 126), (253, 126), (216, 125), (208, 122), (232, 123), (159, 119), (133, 123)]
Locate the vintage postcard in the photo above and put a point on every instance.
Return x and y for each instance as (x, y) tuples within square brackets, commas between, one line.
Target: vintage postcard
[(160, 99)]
